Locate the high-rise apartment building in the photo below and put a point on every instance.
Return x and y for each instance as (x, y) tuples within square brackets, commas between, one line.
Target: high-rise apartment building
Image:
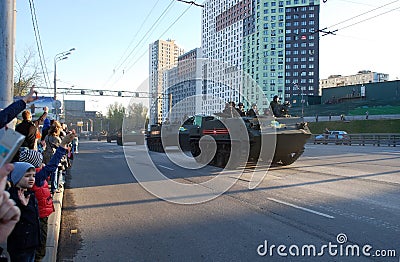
[(183, 86), (163, 55), (222, 44), (275, 43)]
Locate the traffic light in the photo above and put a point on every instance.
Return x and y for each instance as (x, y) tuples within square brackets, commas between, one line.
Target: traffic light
[(82, 92), (119, 93)]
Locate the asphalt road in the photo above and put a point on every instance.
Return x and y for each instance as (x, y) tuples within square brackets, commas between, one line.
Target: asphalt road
[(336, 199)]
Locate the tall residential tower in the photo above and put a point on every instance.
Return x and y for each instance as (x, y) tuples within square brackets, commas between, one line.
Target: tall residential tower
[(163, 55), (275, 43)]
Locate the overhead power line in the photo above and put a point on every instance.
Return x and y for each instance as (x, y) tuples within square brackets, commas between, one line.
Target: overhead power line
[(138, 59), (394, 9), (191, 2), (176, 20), (374, 9), (140, 28), (325, 30), (39, 43), (141, 40), (130, 44)]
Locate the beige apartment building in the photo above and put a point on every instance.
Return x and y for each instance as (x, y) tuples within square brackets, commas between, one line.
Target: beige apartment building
[(163, 55), (362, 77)]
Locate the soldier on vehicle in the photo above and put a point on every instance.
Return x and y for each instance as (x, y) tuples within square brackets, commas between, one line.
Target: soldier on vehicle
[(278, 109), (253, 111), (230, 109), (240, 109)]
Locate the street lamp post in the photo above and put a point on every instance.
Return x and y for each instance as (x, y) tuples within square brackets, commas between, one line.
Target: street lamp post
[(302, 102), (58, 57)]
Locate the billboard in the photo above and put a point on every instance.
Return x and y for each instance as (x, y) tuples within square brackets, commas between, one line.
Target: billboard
[(36, 107)]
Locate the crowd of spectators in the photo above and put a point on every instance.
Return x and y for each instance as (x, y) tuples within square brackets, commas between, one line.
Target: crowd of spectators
[(25, 197)]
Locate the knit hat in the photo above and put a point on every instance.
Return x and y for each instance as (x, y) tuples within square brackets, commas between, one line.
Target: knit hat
[(19, 171), (32, 157)]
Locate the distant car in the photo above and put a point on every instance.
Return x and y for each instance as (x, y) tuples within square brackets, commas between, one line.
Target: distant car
[(136, 136), (338, 137), (84, 135), (93, 136)]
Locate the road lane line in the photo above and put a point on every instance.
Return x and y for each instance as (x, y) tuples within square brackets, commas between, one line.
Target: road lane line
[(166, 167), (301, 208)]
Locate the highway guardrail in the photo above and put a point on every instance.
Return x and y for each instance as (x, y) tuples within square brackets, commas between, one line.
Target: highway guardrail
[(362, 139)]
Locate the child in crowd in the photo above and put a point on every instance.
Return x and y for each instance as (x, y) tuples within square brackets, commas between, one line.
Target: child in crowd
[(41, 188), (24, 239)]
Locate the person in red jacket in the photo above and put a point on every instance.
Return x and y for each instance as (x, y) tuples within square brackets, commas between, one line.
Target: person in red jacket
[(41, 187)]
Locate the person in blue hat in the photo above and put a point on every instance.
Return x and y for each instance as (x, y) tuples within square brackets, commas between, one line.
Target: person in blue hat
[(25, 238)]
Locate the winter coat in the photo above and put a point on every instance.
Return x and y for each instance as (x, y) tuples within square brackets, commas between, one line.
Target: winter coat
[(52, 143), (29, 129), (51, 166), (11, 112), (41, 187), (44, 199), (26, 233)]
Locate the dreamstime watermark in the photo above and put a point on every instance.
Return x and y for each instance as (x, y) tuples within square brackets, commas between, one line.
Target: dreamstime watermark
[(340, 248)]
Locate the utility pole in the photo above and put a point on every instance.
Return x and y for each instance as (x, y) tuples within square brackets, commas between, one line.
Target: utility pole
[(7, 25)]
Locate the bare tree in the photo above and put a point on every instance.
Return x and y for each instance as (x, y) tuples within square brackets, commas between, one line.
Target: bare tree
[(26, 73)]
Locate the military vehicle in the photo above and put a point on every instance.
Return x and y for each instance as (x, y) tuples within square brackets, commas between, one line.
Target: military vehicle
[(160, 136), (263, 138), (136, 136)]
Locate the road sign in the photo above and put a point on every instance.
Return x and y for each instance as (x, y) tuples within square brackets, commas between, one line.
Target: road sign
[(57, 104)]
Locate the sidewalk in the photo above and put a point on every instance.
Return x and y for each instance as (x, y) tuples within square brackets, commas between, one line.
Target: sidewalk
[(53, 231)]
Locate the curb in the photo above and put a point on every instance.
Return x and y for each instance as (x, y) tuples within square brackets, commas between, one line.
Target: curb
[(53, 230)]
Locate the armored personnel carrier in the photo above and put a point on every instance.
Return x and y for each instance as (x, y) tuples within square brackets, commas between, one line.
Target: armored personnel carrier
[(235, 141), (160, 136)]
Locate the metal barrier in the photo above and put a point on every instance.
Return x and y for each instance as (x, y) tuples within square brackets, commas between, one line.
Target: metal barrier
[(362, 139)]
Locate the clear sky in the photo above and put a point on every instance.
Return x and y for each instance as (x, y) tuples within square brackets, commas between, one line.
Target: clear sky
[(111, 39)]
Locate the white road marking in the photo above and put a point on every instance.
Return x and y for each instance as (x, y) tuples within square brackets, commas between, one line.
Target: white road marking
[(301, 208), (113, 157), (118, 156), (166, 167)]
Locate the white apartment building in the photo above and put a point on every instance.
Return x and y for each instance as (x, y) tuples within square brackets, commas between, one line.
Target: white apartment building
[(163, 55), (223, 52), (362, 77)]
